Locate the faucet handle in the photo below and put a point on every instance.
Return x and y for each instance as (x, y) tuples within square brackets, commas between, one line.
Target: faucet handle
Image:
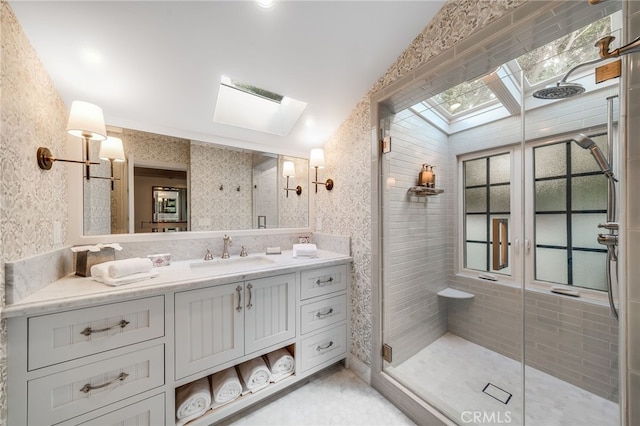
[(208, 255), (243, 252)]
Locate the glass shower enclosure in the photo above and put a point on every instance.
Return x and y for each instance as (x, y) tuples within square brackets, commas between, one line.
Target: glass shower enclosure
[(499, 280)]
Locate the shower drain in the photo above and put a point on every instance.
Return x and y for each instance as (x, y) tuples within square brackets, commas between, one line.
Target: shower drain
[(497, 393)]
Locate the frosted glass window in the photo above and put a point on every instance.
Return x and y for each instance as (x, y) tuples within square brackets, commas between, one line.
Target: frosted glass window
[(551, 265), (584, 229), (477, 256), (551, 229), (589, 270), (581, 159), (476, 200), (589, 193), (477, 227), (551, 160), (475, 172), (500, 169), (551, 195), (500, 198)]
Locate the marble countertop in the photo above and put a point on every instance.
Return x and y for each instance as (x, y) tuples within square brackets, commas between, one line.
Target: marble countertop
[(73, 291)]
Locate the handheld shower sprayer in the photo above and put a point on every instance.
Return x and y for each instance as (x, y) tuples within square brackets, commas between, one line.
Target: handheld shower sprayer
[(586, 142)]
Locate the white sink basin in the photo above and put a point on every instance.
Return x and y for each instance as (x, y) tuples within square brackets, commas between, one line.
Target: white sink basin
[(233, 265)]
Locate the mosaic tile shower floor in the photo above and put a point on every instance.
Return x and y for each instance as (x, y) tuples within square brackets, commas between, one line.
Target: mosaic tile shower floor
[(454, 372)]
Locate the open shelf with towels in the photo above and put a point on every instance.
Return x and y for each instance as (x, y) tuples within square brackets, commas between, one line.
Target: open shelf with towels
[(422, 191)]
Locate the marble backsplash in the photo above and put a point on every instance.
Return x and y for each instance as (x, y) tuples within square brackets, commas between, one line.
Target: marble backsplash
[(28, 275)]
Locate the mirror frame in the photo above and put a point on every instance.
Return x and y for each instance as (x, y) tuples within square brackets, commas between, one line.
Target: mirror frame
[(75, 227)]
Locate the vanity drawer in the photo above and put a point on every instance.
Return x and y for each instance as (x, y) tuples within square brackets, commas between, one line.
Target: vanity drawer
[(73, 334), (323, 313), (317, 282), (148, 412), (61, 396), (323, 347)]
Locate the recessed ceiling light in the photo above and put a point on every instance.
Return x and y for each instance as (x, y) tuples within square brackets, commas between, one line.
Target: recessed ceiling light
[(265, 3)]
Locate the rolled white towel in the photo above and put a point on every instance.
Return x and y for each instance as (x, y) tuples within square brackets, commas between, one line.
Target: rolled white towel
[(255, 374), (225, 387), (122, 268), (281, 364), (192, 400), (305, 250)]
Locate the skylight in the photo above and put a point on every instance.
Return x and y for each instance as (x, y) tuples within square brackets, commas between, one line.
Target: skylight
[(250, 107), (499, 94), (556, 58), (464, 97)]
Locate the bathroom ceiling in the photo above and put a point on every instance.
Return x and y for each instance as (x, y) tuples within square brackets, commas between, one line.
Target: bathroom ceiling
[(156, 65)]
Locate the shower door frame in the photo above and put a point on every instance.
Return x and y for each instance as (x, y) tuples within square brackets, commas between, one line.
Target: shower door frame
[(382, 105)]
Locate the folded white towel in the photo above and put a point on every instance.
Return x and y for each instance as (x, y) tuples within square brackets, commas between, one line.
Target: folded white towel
[(281, 364), (255, 375), (225, 387), (305, 250), (192, 400), (114, 282), (122, 268)]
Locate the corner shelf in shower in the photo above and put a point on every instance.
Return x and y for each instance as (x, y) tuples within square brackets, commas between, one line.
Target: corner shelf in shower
[(422, 191), (452, 293)]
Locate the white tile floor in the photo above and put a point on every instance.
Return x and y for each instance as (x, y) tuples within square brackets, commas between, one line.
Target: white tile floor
[(452, 372), (333, 397)]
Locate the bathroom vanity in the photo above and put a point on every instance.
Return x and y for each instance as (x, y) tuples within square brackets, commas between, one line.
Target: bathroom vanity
[(80, 352)]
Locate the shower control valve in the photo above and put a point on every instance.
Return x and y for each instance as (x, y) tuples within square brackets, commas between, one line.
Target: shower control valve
[(608, 239), (611, 226)]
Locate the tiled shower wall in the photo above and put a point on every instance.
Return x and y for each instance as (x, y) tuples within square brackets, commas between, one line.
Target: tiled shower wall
[(632, 234), (416, 241)]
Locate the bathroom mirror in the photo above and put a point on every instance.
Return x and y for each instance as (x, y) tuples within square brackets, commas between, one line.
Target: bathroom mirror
[(220, 187)]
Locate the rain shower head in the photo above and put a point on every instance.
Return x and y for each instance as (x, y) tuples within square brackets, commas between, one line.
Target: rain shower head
[(560, 90), (586, 142)]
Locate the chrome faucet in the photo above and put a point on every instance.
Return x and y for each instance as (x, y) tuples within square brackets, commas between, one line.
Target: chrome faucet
[(227, 242)]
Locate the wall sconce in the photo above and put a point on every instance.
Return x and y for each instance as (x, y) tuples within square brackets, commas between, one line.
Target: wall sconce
[(85, 121), (289, 170), (316, 160), (111, 149)]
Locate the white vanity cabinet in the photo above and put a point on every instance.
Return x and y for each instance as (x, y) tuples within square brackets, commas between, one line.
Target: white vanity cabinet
[(221, 323), (117, 356)]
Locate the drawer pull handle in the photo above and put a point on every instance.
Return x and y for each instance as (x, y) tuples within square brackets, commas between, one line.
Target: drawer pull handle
[(88, 388), (324, 347), (89, 331), (321, 283), (249, 305), (324, 314), (239, 290)]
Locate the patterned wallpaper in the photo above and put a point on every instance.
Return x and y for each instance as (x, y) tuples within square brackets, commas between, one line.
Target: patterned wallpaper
[(153, 147), (213, 168), (32, 115), (347, 209)]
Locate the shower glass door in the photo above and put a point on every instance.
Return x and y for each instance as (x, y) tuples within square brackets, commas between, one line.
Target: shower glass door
[(495, 287)]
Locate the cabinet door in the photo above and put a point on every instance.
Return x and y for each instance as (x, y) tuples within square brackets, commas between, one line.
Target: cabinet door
[(209, 327), (269, 311)]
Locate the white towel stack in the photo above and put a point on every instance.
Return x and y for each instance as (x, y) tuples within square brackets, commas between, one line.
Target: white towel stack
[(281, 364), (305, 250), (118, 272), (225, 387), (255, 375), (192, 400)]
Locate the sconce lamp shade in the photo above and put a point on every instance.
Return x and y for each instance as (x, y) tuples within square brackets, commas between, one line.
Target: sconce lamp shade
[(288, 169), (316, 159), (86, 120), (111, 149)]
